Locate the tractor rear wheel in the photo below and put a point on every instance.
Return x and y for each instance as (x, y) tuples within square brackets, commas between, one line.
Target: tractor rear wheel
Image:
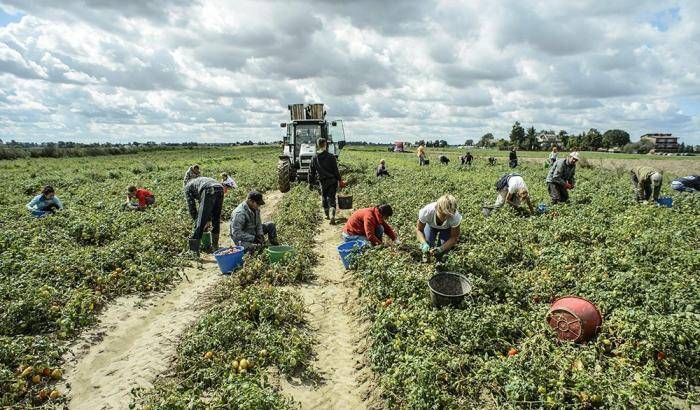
[(283, 167)]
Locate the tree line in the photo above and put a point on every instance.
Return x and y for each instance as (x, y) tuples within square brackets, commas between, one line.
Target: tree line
[(592, 140)]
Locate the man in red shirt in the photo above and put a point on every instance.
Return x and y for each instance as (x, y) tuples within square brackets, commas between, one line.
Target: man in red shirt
[(369, 224), (144, 197)]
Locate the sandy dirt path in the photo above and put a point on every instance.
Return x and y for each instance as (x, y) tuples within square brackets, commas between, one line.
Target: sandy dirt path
[(135, 340), (331, 301)]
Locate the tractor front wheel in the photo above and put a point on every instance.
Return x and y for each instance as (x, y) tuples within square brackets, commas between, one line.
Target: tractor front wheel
[(283, 167)]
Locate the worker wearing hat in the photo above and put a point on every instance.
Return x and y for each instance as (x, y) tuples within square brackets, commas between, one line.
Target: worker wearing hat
[(561, 177), (247, 229), (646, 182)]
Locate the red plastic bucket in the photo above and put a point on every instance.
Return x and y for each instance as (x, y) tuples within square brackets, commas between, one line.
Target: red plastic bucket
[(574, 319)]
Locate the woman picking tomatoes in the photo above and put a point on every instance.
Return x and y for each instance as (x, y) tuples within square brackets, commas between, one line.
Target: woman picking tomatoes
[(438, 225)]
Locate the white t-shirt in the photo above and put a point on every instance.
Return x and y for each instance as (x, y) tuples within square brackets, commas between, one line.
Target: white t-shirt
[(515, 183), (427, 215)]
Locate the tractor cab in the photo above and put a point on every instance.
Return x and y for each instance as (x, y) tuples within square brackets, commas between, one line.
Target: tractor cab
[(308, 124)]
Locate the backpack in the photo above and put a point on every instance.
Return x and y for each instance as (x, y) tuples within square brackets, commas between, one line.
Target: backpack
[(503, 182)]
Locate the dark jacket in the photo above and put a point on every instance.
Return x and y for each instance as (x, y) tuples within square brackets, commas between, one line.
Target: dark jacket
[(513, 156), (246, 224), (194, 189), (324, 168), (562, 172)]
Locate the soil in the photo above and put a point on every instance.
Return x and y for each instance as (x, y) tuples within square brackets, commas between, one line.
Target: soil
[(135, 341), (333, 313)]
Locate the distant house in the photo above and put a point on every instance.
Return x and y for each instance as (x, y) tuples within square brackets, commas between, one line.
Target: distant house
[(548, 138), (662, 142)]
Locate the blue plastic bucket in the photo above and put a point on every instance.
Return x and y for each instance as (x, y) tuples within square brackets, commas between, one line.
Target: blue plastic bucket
[(348, 250), (228, 262), (665, 201)]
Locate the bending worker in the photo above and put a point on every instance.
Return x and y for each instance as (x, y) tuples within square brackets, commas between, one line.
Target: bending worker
[(691, 183), (210, 195), (369, 224), (142, 195), (247, 228), (646, 182), (562, 177), (324, 168), (381, 169), (512, 190), (45, 203), (438, 225)]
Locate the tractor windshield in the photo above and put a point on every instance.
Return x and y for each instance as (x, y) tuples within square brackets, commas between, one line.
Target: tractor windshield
[(307, 133)]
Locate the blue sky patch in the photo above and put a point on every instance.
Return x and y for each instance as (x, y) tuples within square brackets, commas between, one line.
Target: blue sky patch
[(6, 18), (662, 20)]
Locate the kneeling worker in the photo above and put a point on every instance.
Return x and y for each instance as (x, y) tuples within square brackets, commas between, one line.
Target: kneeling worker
[(45, 203), (512, 190), (438, 225), (646, 182), (142, 195), (210, 195), (369, 224), (247, 229)]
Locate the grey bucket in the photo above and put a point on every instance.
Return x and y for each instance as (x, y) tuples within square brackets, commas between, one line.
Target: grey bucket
[(448, 289)]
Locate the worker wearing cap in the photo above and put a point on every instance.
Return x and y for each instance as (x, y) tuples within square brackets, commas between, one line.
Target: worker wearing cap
[(210, 195), (247, 229), (691, 183), (646, 182), (561, 177), (324, 169), (370, 225), (438, 225), (515, 192)]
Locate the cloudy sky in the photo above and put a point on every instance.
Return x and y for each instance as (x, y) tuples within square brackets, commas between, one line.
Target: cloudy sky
[(123, 70)]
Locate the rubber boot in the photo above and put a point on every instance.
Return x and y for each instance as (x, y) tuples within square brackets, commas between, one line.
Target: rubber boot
[(214, 244), (194, 246), (325, 211), (332, 216)]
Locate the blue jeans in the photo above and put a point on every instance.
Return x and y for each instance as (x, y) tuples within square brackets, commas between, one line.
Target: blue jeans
[(432, 235), (379, 232)]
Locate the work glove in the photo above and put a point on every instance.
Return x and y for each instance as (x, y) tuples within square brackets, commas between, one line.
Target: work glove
[(439, 252), (568, 186), (425, 247)]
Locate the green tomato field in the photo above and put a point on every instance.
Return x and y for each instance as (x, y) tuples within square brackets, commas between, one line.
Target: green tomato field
[(639, 264)]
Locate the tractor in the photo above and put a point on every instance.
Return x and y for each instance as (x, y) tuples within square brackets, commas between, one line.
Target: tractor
[(308, 124)]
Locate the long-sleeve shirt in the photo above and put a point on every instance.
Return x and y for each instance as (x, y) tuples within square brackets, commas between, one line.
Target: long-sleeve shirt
[(643, 175), (382, 171), (190, 175), (245, 224), (39, 203), (324, 166), (512, 156), (562, 172), (365, 222), (194, 190)]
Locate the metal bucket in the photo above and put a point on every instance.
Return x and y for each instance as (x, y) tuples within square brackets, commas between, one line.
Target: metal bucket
[(574, 319), (448, 289)]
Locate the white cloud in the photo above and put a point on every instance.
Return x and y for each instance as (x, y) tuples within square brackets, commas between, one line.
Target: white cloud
[(223, 70)]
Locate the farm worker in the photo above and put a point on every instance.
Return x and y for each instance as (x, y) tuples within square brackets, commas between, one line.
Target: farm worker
[(210, 195), (143, 197), (228, 182), (45, 203), (444, 160), (467, 159), (513, 158), (512, 189), (381, 169), (646, 182), (192, 173), (324, 168), (691, 183), (553, 155), (561, 177), (438, 225), (369, 224), (247, 229), (420, 151)]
